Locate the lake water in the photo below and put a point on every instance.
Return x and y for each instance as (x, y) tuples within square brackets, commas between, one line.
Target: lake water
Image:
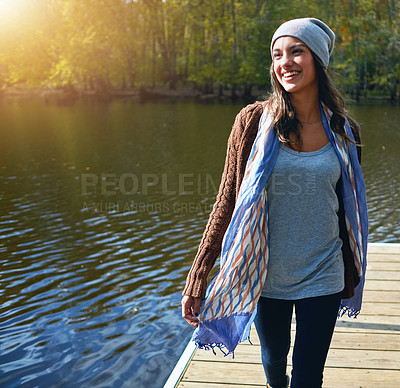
[(102, 209)]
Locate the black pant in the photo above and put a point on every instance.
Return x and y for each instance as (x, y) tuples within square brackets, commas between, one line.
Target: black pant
[(315, 322)]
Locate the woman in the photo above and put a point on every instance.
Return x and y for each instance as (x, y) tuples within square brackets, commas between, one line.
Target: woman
[(290, 219)]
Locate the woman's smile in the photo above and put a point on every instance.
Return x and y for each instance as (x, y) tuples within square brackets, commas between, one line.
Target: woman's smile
[(290, 74)]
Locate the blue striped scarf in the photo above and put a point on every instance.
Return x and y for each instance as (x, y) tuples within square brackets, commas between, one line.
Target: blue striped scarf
[(232, 295)]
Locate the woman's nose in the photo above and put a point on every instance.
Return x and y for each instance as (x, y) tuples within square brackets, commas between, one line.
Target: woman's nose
[(286, 59)]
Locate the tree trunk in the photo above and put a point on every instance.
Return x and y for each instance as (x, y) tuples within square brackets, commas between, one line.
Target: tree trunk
[(234, 48), (365, 76), (153, 62), (220, 90), (233, 91), (247, 91), (393, 87), (358, 67)]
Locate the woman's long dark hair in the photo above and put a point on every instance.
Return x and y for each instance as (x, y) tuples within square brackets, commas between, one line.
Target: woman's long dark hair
[(285, 119)]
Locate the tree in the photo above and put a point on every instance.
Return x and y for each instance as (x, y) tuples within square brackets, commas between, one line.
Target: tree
[(213, 44)]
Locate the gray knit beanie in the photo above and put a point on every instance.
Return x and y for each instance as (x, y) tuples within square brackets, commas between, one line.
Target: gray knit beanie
[(318, 37)]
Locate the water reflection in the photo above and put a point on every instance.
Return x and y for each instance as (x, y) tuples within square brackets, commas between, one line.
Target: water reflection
[(102, 209), (381, 167)]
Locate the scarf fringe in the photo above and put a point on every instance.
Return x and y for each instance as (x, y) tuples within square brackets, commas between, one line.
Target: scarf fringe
[(219, 346), (212, 347), (351, 312)]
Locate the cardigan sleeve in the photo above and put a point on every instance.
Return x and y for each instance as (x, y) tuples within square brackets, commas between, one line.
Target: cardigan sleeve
[(240, 142), (220, 216)]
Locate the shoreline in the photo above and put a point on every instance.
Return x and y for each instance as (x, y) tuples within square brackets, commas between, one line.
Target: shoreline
[(144, 94), (68, 95)]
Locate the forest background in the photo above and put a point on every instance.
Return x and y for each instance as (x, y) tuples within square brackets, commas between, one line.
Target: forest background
[(211, 46)]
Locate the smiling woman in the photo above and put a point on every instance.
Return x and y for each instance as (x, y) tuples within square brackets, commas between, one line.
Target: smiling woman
[(278, 253)]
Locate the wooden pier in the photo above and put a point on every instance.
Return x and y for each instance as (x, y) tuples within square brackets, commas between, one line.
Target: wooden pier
[(365, 352)]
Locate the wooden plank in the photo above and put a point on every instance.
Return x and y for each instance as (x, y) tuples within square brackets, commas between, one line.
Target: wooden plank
[(363, 320), (382, 296), (356, 378), (383, 266), (382, 257), (366, 330), (190, 384), (369, 359), (383, 275), (253, 374), (371, 327), (370, 308), (219, 372), (382, 285), (346, 340), (384, 248)]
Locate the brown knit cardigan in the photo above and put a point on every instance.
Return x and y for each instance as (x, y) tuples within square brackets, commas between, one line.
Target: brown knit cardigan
[(240, 142)]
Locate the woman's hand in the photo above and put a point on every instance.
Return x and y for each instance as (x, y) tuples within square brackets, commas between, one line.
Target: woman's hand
[(191, 309)]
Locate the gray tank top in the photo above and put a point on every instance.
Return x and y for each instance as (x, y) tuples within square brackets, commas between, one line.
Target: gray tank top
[(305, 248)]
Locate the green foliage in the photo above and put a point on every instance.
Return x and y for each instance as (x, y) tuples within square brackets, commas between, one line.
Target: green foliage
[(103, 44)]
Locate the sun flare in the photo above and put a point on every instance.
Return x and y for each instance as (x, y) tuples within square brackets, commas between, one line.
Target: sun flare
[(10, 11), (8, 7)]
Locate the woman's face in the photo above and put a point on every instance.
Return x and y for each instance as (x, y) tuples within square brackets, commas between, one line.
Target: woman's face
[(293, 65)]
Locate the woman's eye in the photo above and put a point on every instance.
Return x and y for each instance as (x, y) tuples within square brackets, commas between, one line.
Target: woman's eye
[(297, 51), (277, 55)]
